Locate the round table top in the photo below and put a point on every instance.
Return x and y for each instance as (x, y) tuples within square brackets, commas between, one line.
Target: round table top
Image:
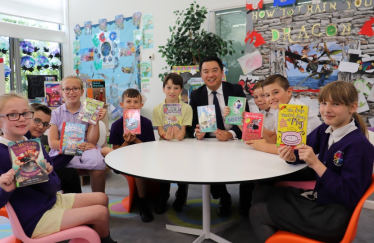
[(206, 161)]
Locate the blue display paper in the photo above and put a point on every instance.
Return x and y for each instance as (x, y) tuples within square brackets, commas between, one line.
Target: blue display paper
[(283, 2), (120, 67)]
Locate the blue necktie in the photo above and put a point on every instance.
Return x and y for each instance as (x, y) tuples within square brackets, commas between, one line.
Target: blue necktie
[(220, 124)]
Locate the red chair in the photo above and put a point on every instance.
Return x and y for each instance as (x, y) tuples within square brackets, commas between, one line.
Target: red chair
[(80, 234), (350, 233), (12, 238)]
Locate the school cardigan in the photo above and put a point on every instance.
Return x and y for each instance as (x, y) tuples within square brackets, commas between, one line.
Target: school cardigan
[(29, 202), (349, 165)]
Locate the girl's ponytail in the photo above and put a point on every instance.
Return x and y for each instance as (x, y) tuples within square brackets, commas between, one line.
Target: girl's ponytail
[(362, 124)]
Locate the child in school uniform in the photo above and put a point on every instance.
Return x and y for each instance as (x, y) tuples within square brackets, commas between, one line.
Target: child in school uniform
[(132, 99), (343, 170), (40, 208), (70, 182), (91, 160), (172, 87)]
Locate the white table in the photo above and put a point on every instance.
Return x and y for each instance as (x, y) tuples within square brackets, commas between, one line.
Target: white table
[(203, 162)]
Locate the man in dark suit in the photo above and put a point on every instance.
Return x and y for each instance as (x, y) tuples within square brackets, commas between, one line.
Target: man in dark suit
[(215, 92)]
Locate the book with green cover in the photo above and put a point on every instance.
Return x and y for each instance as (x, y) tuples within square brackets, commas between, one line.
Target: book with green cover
[(237, 106)]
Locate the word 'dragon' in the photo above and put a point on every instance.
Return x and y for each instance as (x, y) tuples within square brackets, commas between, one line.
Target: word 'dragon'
[(251, 36)]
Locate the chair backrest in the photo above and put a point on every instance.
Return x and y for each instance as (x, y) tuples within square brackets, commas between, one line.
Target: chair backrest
[(15, 224), (103, 133), (351, 231)]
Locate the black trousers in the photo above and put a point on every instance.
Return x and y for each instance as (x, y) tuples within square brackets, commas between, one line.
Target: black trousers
[(245, 190), (70, 182)]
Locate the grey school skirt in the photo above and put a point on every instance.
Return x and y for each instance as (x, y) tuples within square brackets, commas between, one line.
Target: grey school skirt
[(296, 214)]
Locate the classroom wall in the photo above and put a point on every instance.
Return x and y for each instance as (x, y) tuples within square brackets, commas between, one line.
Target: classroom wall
[(93, 10)]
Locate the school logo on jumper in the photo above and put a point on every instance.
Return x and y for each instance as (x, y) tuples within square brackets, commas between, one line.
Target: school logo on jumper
[(338, 158)]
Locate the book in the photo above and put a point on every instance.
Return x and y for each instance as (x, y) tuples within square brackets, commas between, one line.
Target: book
[(96, 89), (28, 162), (53, 94), (292, 125), (207, 118), (131, 121), (195, 83), (237, 105), (172, 115), (72, 134), (90, 111), (252, 126)]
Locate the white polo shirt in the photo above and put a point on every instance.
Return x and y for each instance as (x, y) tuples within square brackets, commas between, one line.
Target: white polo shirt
[(269, 118)]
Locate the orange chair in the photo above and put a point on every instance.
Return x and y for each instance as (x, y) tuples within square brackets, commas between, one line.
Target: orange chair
[(153, 189), (350, 233), (12, 238)]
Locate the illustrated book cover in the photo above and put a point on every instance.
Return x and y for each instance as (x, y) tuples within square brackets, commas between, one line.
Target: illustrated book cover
[(96, 89), (252, 126), (28, 162), (90, 110), (207, 118), (237, 106), (53, 94), (172, 115), (292, 125), (131, 121), (72, 135)]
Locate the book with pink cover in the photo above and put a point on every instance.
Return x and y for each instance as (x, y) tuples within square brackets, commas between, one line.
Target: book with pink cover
[(131, 121), (252, 126)]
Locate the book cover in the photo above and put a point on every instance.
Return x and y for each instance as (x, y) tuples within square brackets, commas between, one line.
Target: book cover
[(131, 121), (292, 125), (72, 135), (90, 110), (96, 89), (237, 105), (172, 115), (194, 83), (28, 162), (207, 118), (53, 94), (252, 126)]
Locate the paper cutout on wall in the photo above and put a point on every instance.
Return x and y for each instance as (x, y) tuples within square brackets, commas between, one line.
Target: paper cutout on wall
[(254, 4), (148, 40), (88, 28), (364, 66), (366, 78), (77, 62), (4, 45), (250, 62), (146, 69), (247, 82), (42, 62), (371, 121), (283, 2), (77, 30), (348, 67), (26, 47), (102, 25), (136, 19), (148, 21), (27, 63), (255, 35), (138, 37), (362, 103), (362, 86), (367, 28), (145, 85), (119, 22), (126, 49), (76, 47), (40, 47)]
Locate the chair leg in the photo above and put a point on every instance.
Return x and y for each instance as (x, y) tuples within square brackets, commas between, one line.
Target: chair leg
[(127, 201)]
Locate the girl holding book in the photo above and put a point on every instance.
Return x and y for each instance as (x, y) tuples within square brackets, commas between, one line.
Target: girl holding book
[(343, 170), (91, 160), (40, 208)]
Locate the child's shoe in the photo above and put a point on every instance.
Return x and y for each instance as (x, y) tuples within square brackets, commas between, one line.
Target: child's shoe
[(144, 211), (161, 203), (180, 201)]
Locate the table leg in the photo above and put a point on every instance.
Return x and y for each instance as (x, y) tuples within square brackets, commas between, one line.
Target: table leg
[(206, 232)]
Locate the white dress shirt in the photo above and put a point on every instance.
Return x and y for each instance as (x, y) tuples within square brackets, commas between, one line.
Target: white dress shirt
[(221, 101), (269, 118), (338, 134)]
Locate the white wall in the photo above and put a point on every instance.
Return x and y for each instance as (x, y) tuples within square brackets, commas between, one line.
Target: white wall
[(93, 10)]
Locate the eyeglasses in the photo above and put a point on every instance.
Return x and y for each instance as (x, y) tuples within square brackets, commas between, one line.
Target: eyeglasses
[(67, 90), (16, 116), (38, 121)]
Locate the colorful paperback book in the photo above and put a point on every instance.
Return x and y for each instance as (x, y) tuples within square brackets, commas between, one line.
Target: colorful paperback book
[(131, 121), (28, 162), (172, 116), (53, 94), (207, 118), (72, 135), (237, 105), (252, 126), (90, 110), (292, 125), (96, 89)]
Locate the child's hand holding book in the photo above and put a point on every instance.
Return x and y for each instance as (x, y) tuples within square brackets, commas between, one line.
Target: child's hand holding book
[(49, 167), (102, 113), (7, 181), (286, 153)]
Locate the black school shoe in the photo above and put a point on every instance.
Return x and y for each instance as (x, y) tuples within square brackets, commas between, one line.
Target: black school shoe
[(244, 206), (180, 201), (161, 203), (144, 211), (223, 209)]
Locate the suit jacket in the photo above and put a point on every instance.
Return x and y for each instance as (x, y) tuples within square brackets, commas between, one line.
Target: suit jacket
[(199, 97)]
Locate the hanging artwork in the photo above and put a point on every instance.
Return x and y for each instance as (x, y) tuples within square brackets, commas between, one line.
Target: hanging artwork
[(278, 3), (102, 25), (313, 66), (252, 35), (362, 103), (119, 22), (42, 62), (148, 40), (367, 28), (250, 62), (365, 62), (4, 45), (26, 47), (362, 86), (40, 47), (254, 4), (148, 21), (247, 82), (77, 30), (27, 63), (146, 69), (87, 28), (136, 19)]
